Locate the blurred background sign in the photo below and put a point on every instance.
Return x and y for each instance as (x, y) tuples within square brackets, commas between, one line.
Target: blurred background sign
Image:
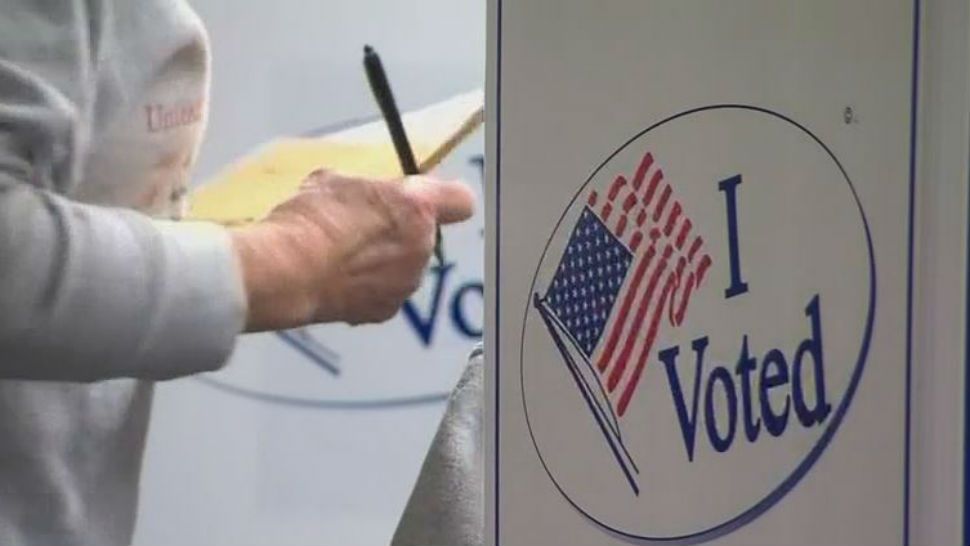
[(315, 436)]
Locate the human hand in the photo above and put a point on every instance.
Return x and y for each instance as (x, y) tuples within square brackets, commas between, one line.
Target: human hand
[(344, 249)]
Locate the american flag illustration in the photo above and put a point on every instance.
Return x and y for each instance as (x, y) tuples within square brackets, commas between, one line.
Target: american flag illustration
[(630, 266)]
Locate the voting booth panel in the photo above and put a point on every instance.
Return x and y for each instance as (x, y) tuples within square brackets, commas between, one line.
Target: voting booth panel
[(726, 272)]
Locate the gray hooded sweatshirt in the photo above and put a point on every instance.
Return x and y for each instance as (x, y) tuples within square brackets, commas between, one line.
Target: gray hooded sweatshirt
[(102, 105)]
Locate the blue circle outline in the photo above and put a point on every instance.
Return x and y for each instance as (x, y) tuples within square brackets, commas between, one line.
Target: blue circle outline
[(351, 404), (802, 469)]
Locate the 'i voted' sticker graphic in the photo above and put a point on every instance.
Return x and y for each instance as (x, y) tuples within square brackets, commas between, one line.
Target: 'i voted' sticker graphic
[(698, 324)]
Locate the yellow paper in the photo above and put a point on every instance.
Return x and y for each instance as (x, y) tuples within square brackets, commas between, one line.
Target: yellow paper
[(247, 190)]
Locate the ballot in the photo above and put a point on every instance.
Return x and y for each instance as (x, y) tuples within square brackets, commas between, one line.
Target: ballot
[(248, 189), (727, 277)]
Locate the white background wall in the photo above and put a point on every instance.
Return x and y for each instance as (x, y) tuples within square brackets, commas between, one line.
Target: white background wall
[(223, 469)]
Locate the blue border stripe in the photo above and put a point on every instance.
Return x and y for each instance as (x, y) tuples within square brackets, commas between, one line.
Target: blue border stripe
[(914, 111), (966, 375), (498, 252), (966, 380)]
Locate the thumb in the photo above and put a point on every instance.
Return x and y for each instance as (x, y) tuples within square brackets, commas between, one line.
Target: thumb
[(453, 201)]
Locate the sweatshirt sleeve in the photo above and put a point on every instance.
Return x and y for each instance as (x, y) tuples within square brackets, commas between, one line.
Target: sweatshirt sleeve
[(87, 292)]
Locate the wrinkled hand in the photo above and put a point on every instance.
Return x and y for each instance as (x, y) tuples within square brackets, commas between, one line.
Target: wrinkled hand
[(344, 249)]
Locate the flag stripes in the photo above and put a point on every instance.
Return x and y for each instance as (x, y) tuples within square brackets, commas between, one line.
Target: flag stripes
[(646, 217)]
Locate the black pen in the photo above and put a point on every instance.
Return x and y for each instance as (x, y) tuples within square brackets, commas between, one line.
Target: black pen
[(392, 116)]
